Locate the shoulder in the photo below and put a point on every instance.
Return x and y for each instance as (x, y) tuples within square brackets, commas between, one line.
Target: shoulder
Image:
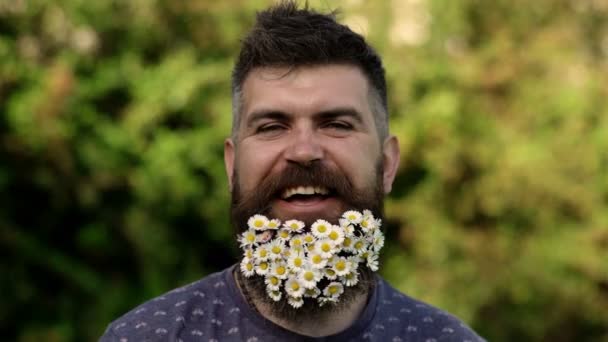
[(412, 319), (164, 316)]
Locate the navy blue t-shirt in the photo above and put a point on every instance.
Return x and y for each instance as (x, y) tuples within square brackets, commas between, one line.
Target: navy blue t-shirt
[(213, 309)]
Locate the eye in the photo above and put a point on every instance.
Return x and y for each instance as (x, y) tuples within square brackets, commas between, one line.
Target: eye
[(339, 125), (270, 128)]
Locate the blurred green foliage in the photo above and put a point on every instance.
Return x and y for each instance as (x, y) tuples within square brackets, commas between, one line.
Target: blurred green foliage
[(112, 185)]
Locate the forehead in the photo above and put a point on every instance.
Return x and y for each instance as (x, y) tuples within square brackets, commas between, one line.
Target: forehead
[(306, 90)]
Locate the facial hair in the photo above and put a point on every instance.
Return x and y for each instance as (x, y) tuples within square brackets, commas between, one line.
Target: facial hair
[(258, 201)]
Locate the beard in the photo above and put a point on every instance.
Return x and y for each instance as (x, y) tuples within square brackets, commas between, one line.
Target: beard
[(246, 204)]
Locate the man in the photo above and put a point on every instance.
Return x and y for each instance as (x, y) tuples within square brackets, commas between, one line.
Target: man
[(309, 142)]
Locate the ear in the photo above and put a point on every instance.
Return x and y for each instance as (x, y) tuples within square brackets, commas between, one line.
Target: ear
[(229, 151), (391, 156)]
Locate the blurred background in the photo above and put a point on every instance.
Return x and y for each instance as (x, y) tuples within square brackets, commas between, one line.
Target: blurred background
[(112, 185)]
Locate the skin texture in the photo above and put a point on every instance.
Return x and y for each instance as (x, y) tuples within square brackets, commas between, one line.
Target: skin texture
[(304, 116)]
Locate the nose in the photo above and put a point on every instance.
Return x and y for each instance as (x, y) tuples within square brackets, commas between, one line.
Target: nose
[(304, 147)]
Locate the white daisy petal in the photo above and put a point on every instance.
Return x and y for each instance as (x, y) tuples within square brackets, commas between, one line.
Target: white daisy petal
[(258, 222)]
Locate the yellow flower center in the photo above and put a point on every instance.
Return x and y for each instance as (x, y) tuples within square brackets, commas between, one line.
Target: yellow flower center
[(284, 234), (316, 259), (309, 276), (352, 217), (330, 272), (364, 223), (258, 223), (326, 247), (263, 253), (263, 265), (295, 286), (272, 224), (334, 235), (276, 249), (249, 266), (251, 238), (359, 245), (297, 262), (296, 242), (308, 239), (347, 242), (340, 265), (274, 280), (333, 290), (280, 270)]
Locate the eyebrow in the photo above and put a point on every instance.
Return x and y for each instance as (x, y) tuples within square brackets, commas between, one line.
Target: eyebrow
[(322, 115)]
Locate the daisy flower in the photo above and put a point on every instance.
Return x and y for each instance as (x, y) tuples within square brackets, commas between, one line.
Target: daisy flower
[(326, 300), (248, 238), (377, 241), (309, 276), (274, 295), (372, 261), (350, 279), (349, 230), (258, 222), (276, 249), (294, 226), (273, 224), (342, 266), (296, 242), (359, 246), (247, 267), (352, 216), (320, 228), (294, 288), (308, 239), (279, 270), (284, 234), (316, 260), (325, 248), (333, 289), (296, 260), (329, 273), (336, 234), (248, 253), (347, 244), (262, 253), (312, 293), (273, 283), (295, 302), (262, 268)]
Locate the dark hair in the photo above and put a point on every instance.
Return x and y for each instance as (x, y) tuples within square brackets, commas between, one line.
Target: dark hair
[(285, 35)]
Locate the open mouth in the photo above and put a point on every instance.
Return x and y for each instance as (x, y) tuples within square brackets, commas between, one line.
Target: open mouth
[(305, 194)]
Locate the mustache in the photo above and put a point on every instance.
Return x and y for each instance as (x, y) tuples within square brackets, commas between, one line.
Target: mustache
[(292, 176)]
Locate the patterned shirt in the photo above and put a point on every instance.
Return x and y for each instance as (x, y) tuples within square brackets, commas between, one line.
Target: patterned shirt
[(213, 309)]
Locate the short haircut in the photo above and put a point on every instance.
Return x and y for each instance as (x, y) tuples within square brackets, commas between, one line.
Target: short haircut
[(285, 35)]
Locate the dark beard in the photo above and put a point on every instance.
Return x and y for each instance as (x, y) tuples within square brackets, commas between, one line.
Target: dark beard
[(245, 205)]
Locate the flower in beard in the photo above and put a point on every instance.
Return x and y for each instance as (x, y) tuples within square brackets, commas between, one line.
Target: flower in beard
[(336, 235), (296, 242), (325, 248), (350, 279), (273, 283), (262, 253), (284, 234), (294, 226), (295, 302), (247, 267), (333, 289), (308, 239), (274, 294), (320, 228), (279, 269), (327, 300), (248, 238), (372, 261), (309, 276), (312, 292), (296, 260), (329, 273), (316, 260), (276, 249), (294, 288), (359, 246), (262, 268), (248, 252), (377, 240), (258, 222), (353, 216), (341, 266), (273, 224)]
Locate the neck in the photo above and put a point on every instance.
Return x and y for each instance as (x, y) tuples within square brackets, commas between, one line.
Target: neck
[(328, 322)]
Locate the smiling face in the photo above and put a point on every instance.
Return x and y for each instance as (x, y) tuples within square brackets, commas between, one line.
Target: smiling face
[(307, 145)]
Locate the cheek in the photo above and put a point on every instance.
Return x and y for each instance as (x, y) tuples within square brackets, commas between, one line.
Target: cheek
[(254, 163)]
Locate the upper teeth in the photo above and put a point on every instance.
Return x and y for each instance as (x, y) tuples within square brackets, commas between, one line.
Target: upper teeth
[(305, 190)]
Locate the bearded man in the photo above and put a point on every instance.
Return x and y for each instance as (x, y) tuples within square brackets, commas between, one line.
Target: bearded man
[(309, 162)]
